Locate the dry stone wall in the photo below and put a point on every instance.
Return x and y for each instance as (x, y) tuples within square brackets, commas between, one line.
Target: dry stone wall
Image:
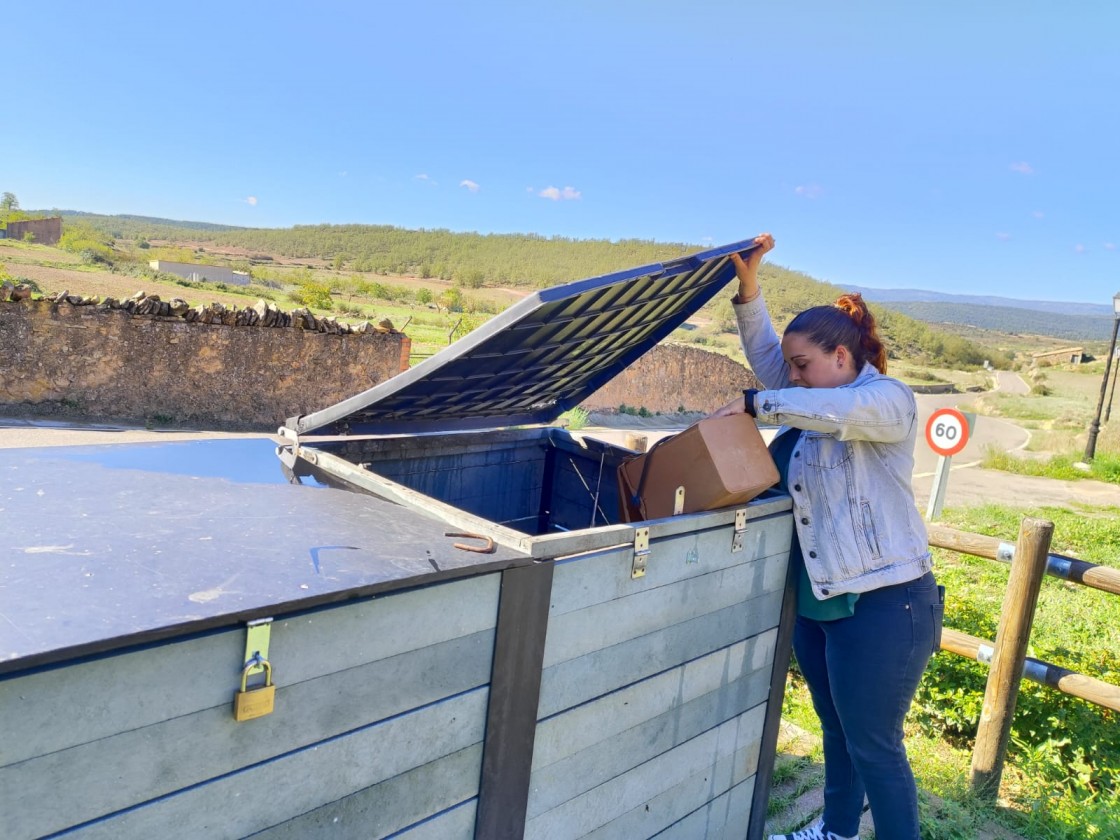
[(166, 362), (674, 376)]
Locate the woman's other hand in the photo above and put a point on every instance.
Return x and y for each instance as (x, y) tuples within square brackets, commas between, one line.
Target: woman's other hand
[(747, 269)]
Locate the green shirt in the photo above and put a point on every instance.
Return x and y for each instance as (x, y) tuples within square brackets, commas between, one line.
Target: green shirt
[(808, 604)]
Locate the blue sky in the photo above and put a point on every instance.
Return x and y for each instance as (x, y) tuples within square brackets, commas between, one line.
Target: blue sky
[(957, 146)]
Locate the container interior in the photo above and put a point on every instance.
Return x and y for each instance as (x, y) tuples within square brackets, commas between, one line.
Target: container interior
[(534, 481)]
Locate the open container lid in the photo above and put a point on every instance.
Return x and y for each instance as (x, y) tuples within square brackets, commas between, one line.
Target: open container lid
[(539, 358)]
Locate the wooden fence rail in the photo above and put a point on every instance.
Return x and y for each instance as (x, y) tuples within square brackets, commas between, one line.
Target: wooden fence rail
[(1030, 561), (1066, 681), (1067, 568)]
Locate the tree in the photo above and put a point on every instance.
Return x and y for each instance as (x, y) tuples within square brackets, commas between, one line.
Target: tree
[(451, 300), (8, 201)]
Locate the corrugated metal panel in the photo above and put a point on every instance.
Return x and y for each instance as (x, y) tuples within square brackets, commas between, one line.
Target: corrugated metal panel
[(540, 357)]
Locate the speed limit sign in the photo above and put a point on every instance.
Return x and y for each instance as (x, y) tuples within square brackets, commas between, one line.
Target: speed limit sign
[(947, 431)]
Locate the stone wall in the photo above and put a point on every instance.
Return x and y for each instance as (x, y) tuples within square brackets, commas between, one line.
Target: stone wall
[(44, 231), (152, 362), (674, 376)]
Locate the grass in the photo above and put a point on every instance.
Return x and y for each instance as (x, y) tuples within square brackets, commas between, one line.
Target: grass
[(1104, 467), (1063, 767)]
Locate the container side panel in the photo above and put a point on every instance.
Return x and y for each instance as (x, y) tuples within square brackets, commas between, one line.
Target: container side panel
[(575, 634), (61, 707), (394, 805), (504, 487), (642, 721), (166, 757), (455, 824), (581, 485), (662, 791), (579, 680), (271, 793), (724, 818), (605, 576), (671, 805)]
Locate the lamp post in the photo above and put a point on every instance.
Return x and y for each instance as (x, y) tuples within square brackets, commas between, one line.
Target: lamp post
[(1094, 429)]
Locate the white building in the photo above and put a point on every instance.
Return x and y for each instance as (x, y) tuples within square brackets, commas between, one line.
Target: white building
[(197, 272)]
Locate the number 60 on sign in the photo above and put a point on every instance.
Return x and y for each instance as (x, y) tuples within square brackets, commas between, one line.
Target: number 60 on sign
[(947, 431)]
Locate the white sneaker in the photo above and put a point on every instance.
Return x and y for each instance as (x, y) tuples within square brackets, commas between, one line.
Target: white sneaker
[(813, 832)]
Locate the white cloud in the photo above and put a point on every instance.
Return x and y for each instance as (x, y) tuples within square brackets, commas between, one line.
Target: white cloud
[(1079, 248), (251, 200), (470, 185), (1110, 246), (1022, 167), (424, 179), (555, 194), (1002, 236), (809, 190)]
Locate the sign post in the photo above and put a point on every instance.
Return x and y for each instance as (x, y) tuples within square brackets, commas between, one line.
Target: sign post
[(947, 434)]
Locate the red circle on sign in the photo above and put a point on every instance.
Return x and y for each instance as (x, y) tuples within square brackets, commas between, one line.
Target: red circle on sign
[(947, 431)]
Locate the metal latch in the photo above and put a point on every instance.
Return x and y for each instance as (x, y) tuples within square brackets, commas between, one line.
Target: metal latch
[(257, 637), (678, 502), (641, 553), (740, 531)]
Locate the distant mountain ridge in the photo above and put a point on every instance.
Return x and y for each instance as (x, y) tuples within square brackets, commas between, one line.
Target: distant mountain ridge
[(1044, 306), (1074, 322)]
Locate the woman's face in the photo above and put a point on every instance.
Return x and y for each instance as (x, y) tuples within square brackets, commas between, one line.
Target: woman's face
[(812, 367)]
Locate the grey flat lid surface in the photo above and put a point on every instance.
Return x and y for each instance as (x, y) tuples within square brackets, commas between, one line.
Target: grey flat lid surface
[(539, 358), (109, 546)]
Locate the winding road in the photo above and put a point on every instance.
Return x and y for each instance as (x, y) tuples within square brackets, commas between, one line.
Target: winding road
[(1003, 435)]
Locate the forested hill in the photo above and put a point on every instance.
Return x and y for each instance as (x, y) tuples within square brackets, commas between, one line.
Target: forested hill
[(473, 260), (470, 258)]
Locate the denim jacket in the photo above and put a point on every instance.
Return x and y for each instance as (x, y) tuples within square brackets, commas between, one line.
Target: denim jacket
[(849, 476)]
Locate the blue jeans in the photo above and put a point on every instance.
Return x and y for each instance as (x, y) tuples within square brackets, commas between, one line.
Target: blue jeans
[(862, 673)]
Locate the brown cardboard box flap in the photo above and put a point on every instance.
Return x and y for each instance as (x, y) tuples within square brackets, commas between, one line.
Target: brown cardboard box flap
[(720, 461)]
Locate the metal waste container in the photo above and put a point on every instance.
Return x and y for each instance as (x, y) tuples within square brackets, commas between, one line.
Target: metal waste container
[(638, 669)]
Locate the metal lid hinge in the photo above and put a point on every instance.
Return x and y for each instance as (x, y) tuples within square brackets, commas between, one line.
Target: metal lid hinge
[(641, 553), (740, 531)]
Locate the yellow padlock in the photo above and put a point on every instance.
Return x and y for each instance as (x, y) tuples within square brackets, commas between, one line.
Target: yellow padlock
[(256, 702)]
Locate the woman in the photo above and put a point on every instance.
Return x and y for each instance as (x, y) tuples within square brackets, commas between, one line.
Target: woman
[(869, 609)]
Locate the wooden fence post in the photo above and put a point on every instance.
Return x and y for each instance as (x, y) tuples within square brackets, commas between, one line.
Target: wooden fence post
[(1027, 570)]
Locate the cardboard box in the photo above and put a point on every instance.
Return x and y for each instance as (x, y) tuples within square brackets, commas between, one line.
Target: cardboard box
[(720, 461)]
